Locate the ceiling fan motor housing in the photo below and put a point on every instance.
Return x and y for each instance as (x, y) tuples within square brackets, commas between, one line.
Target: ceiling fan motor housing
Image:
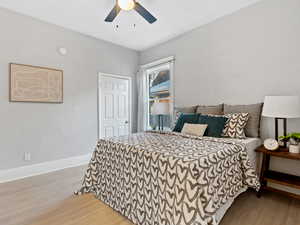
[(129, 5)]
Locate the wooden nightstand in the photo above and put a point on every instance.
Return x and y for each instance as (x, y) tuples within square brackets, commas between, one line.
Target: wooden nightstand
[(268, 175)]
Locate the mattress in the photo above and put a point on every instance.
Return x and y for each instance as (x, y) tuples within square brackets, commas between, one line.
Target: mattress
[(169, 177), (251, 145)]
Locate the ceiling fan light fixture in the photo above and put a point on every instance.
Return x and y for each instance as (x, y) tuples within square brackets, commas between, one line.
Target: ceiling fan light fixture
[(129, 5), (126, 4)]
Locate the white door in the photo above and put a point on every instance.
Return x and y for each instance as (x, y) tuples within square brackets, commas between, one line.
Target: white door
[(114, 106)]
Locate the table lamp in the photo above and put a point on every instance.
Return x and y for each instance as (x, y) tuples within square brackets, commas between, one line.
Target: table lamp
[(160, 109), (281, 108)]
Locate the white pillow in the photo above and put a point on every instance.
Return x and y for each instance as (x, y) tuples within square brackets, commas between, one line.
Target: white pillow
[(194, 129)]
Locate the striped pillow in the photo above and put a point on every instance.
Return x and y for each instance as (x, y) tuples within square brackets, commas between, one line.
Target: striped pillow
[(235, 125)]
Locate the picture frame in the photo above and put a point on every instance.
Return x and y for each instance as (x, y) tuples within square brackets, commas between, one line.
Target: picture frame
[(35, 84)]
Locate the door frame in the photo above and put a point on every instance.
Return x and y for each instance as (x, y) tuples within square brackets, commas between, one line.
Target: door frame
[(100, 75)]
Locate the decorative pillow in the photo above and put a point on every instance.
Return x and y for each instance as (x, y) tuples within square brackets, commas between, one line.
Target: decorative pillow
[(215, 124), (179, 110), (194, 129), (235, 125), (252, 128), (185, 118), (210, 109)]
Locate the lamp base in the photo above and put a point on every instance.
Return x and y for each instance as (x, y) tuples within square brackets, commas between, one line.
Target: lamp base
[(284, 129), (160, 123)]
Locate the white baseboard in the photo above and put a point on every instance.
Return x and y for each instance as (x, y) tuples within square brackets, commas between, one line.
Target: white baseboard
[(42, 168)]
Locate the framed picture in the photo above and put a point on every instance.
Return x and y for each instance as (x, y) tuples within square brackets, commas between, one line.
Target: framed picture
[(35, 84)]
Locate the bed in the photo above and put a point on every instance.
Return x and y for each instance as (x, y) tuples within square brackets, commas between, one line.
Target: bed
[(171, 178), (250, 144)]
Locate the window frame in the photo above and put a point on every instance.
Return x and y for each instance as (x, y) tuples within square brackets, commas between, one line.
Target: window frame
[(166, 63)]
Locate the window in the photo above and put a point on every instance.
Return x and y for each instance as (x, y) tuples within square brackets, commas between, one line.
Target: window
[(159, 89)]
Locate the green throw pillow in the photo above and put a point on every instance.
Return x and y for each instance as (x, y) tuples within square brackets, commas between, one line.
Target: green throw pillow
[(185, 118), (215, 124)]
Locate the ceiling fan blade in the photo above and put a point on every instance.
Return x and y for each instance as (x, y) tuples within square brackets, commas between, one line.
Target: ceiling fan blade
[(113, 14), (144, 13)]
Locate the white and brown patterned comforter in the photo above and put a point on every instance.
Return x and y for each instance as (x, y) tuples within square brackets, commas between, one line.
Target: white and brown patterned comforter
[(168, 178)]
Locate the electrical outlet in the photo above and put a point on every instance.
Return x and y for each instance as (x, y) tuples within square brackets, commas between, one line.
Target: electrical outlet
[(27, 156)]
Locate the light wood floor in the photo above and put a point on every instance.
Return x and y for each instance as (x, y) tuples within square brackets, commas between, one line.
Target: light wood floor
[(48, 199)]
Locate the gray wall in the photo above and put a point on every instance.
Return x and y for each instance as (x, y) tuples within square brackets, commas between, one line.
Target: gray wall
[(54, 131), (239, 58)]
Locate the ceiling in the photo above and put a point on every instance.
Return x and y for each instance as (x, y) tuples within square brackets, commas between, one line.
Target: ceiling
[(174, 17)]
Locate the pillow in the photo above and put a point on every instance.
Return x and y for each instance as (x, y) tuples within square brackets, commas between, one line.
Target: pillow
[(252, 128), (185, 118), (235, 125), (210, 109), (179, 110), (194, 129), (215, 124)]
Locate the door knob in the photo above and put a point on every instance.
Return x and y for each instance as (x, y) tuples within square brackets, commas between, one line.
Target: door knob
[(126, 122)]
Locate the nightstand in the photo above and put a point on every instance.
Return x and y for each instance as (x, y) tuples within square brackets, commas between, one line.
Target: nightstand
[(268, 175)]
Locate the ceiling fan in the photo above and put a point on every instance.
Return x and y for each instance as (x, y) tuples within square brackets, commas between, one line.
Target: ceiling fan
[(129, 5)]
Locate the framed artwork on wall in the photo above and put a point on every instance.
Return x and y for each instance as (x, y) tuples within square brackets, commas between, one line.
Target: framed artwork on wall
[(35, 84)]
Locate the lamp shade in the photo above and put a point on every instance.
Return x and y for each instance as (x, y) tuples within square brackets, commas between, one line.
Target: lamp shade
[(160, 108), (281, 107)]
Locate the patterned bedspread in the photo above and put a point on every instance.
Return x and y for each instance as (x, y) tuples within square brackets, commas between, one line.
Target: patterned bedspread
[(165, 178)]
